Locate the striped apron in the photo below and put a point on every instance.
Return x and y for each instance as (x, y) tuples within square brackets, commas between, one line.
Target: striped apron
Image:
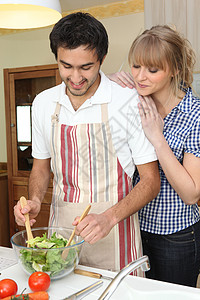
[(87, 170)]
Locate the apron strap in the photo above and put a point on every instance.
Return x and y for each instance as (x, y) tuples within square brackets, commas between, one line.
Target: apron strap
[(104, 113), (55, 116)]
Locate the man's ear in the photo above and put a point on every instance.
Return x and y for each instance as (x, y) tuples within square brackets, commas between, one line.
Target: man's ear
[(103, 59)]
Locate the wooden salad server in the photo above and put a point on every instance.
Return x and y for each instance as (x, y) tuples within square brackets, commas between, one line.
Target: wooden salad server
[(84, 214), (23, 203)]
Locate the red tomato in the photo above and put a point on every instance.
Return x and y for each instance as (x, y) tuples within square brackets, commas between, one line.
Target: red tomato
[(8, 287), (39, 281)]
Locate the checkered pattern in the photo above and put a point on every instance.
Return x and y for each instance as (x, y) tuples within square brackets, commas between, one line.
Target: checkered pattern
[(167, 213)]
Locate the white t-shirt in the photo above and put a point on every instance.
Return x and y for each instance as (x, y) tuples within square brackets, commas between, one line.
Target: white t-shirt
[(130, 143)]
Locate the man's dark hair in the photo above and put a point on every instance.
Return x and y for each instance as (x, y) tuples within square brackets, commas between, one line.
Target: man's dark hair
[(79, 29)]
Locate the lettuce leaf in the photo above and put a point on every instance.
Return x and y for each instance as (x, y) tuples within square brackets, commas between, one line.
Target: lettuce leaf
[(50, 262)]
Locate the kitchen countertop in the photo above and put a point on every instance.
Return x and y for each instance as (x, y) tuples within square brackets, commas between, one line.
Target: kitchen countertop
[(59, 288), (72, 283)]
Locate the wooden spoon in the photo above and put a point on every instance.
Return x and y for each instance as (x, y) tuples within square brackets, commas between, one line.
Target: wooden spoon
[(84, 214), (23, 203)]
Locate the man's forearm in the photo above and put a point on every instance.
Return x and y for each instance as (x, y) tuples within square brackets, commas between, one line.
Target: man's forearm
[(38, 183), (145, 191), (96, 226)]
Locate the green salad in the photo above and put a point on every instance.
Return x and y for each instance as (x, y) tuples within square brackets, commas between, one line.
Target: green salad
[(45, 260)]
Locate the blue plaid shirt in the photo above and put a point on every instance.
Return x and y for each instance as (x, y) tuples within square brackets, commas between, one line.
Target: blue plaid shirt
[(167, 213)]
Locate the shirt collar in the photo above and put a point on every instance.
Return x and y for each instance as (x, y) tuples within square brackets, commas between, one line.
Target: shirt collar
[(103, 93), (186, 103)]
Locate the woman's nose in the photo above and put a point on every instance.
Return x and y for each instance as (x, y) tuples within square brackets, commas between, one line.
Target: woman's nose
[(141, 74)]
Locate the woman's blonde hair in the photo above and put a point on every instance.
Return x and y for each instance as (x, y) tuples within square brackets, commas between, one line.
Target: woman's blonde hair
[(161, 46)]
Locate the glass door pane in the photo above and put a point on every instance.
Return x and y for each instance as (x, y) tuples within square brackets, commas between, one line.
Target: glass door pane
[(25, 91), (23, 123)]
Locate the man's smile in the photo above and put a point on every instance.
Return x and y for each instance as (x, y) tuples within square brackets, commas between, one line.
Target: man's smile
[(77, 85)]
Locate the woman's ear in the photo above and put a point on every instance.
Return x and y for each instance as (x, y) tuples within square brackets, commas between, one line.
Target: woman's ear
[(176, 73)]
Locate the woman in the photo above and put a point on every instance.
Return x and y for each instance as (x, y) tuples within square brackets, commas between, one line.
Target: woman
[(162, 64)]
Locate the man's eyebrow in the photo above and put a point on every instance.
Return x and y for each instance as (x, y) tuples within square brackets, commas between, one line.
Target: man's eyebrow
[(84, 65), (64, 62), (88, 64)]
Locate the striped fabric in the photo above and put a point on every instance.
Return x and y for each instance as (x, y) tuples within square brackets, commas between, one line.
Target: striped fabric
[(85, 164), (167, 213), (87, 170)]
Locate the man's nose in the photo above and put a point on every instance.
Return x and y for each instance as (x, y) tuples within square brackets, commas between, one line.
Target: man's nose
[(76, 76)]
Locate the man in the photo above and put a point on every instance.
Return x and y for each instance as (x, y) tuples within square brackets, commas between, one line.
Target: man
[(89, 130)]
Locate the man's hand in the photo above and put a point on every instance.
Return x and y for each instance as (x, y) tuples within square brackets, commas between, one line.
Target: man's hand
[(38, 184), (32, 207), (122, 78), (93, 227)]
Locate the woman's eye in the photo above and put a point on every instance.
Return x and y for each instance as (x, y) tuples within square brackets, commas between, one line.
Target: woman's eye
[(136, 66), (153, 70)]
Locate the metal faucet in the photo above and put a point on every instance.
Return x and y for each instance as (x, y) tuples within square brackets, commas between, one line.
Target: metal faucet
[(142, 262)]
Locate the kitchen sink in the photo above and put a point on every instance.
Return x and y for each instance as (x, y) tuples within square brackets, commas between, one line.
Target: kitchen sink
[(127, 287), (158, 295), (128, 290)]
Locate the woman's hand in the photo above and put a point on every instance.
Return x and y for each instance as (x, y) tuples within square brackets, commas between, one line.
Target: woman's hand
[(152, 121), (122, 78)]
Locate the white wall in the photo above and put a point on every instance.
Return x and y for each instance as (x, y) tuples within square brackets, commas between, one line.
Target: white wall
[(122, 31), (31, 48)]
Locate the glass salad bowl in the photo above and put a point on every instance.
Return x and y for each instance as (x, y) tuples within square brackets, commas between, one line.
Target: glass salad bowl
[(47, 251)]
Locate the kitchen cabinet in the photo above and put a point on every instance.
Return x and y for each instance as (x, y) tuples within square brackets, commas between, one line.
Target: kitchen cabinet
[(21, 86), (4, 224)]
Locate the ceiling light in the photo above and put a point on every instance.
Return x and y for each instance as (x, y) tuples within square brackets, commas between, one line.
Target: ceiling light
[(25, 14)]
